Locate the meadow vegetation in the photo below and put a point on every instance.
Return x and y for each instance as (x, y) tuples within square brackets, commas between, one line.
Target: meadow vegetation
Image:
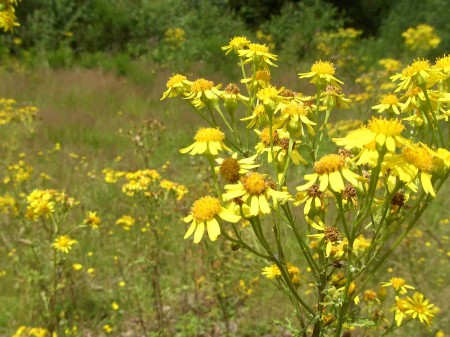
[(309, 197)]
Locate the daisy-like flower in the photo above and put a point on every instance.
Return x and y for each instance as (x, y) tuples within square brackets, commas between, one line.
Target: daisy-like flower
[(311, 197), (401, 305), (389, 103), (261, 79), (385, 132), (280, 140), (231, 169), (254, 190), (293, 118), (208, 141), (420, 73), (330, 235), (63, 244), (330, 170), (398, 284), (270, 97), (203, 91), (321, 74), (176, 86), (258, 53), (421, 308), (415, 159), (443, 64), (257, 117), (93, 220), (235, 44), (271, 272), (204, 213)]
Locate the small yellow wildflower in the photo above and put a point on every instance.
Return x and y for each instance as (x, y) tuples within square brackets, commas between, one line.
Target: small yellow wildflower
[(63, 244), (321, 74), (271, 272), (421, 308), (208, 141), (177, 85), (254, 190), (398, 284), (205, 211)]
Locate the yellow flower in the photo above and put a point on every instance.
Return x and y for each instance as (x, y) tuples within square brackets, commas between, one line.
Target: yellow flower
[(208, 141), (443, 64), (293, 118), (77, 266), (203, 91), (235, 44), (419, 73), (270, 97), (254, 190), (107, 328), (330, 235), (330, 171), (93, 220), (401, 305), (176, 85), (421, 308), (415, 159), (421, 38), (388, 103), (126, 221), (398, 284), (258, 117), (63, 244), (258, 53), (321, 74), (385, 132), (271, 272), (231, 169), (205, 211), (311, 197)]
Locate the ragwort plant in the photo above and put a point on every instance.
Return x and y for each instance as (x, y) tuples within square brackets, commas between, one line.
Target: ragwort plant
[(358, 202)]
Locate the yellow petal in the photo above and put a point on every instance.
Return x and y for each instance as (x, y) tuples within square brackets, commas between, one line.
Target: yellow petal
[(263, 204), (190, 230), (323, 182), (254, 205), (213, 229), (426, 183), (227, 215), (199, 232), (336, 182)]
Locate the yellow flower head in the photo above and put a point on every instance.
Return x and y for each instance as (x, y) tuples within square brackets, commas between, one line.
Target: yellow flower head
[(385, 132), (93, 220), (257, 117), (398, 284), (420, 308), (254, 190), (389, 103), (231, 169), (322, 74), (271, 272), (176, 85), (330, 170), (419, 73), (205, 211), (63, 244), (259, 54), (203, 91), (236, 43), (208, 141)]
